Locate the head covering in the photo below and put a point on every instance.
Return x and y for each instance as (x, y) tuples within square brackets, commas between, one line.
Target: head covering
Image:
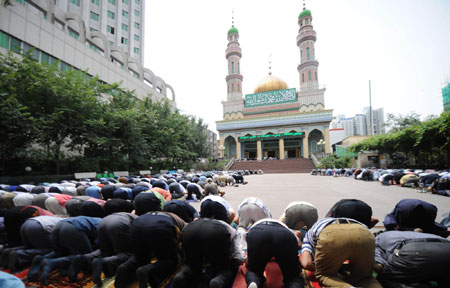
[(108, 191), (93, 191), (81, 190), (166, 194), (161, 184), (123, 180), (38, 190), (118, 205), (92, 209), (55, 189), (352, 208), (69, 190), (7, 200), (146, 202), (145, 184), (52, 204), (298, 214), (23, 199)]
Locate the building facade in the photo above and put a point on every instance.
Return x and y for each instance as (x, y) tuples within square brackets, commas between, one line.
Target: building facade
[(275, 121), (103, 37), (446, 97)]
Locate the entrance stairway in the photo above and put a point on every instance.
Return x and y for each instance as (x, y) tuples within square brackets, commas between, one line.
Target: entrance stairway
[(276, 166)]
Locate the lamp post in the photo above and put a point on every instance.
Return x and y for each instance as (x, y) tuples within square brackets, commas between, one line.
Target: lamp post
[(222, 148), (321, 144)]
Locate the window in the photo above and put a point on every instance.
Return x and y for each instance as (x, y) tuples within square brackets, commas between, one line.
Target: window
[(303, 77), (113, 2), (92, 29), (125, 1), (136, 25), (20, 1), (301, 55), (309, 75), (136, 37), (111, 43), (124, 27), (94, 16), (238, 88), (308, 55), (96, 2), (136, 50), (110, 29), (124, 40), (45, 58), (4, 40), (73, 34), (75, 2), (64, 66), (93, 47), (137, 13), (138, 2), (34, 52), (313, 146), (315, 75), (111, 15), (239, 68), (232, 87), (16, 45), (232, 67), (124, 13)]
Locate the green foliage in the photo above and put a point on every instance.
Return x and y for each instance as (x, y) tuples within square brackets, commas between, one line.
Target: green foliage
[(398, 123), (335, 162), (428, 142), (55, 120)]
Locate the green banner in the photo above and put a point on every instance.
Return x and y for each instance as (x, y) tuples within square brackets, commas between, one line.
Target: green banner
[(270, 98), (270, 136)]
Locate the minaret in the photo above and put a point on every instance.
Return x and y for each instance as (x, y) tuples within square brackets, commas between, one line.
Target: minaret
[(233, 54), (305, 41), (310, 96)]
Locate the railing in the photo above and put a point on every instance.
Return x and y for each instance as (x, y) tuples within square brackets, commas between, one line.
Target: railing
[(229, 164), (314, 159)]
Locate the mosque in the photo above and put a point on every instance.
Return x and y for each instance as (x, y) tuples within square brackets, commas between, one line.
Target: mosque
[(275, 121)]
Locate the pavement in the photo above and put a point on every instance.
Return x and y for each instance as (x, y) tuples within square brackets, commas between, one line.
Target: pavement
[(278, 190)]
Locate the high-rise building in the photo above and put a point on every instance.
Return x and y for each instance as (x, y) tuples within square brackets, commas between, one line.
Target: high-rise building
[(377, 121), (359, 124), (104, 37), (446, 97)]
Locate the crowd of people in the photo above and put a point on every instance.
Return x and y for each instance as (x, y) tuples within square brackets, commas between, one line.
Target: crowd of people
[(144, 230), (425, 181)]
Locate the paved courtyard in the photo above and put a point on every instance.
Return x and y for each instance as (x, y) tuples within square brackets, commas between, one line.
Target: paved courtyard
[(277, 190)]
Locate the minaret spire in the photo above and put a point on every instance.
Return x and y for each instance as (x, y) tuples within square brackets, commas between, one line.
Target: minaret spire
[(270, 64)]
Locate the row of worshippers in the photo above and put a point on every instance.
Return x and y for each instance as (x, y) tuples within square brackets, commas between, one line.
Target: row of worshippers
[(149, 245), (432, 181)]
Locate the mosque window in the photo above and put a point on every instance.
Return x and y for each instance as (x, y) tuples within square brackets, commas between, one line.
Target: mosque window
[(239, 68), (303, 77), (309, 75), (308, 54), (238, 88), (301, 55), (232, 67), (315, 75), (313, 146), (232, 87)]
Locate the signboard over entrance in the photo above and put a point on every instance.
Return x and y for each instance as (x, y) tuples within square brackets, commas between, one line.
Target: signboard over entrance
[(270, 98), (271, 136)]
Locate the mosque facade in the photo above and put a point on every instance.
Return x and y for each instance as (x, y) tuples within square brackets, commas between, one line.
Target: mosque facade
[(275, 121)]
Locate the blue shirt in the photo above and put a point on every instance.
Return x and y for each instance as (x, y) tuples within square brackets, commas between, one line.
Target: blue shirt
[(87, 225)]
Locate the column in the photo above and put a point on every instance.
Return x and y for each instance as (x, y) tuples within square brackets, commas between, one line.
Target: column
[(327, 140), (238, 150), (258, 150), (305, 146), (281, 148)]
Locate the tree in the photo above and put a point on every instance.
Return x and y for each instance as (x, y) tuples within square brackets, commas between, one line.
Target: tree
[(397, 123)]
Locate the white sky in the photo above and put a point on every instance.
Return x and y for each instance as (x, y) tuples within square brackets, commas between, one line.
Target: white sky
[(402, 46)]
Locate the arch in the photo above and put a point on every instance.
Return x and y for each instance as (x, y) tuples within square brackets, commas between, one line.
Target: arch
[(161, 85), (149, 76), (313, 138), (72, 18), (94, 35), (120, 54), (172, 91), (230, 147), (293, 131), (135, 62)]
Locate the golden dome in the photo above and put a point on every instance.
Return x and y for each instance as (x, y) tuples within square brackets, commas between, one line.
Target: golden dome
[(270, 83)]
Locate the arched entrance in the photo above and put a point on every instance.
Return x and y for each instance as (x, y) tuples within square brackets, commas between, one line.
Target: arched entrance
[(292, 147), (249, 148), (314, 137), (230, 147), (270, 147)]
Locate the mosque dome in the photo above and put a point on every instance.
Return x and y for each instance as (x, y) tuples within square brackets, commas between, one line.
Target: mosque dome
[(233, 30), (304, 13), (270, 83)]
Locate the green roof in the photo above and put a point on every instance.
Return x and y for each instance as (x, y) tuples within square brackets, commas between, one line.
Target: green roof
[(304, 13), (233, 30)]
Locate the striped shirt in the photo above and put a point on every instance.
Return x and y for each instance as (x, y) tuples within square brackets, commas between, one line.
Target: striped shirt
[(310, 240)]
